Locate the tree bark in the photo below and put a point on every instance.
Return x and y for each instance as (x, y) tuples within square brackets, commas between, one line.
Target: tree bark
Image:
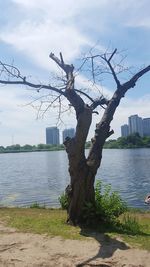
[(81, 189)]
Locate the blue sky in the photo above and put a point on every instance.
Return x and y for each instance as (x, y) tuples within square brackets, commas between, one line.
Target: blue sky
[(30, 30)]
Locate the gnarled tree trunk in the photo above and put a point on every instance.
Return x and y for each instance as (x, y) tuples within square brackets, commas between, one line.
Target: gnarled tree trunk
[(83, 170)]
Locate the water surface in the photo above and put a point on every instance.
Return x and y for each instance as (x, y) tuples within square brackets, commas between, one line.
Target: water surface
[(41, 177)]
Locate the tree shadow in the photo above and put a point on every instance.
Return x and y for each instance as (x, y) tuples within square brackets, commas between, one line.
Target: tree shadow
[(107, 244), (107, 247)]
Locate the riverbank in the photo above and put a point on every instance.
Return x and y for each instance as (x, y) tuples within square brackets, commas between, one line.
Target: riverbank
[(131, 141), (52, 222), (40, 237), (26, 151), (31, 150)]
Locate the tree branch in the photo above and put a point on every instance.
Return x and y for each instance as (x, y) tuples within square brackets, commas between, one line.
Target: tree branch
[(83, 93), (99, 102), (112, 55), (36, 86), (75, 100), (111, 67), (68, 69), (103, 131), (10, 70), (132, 82)]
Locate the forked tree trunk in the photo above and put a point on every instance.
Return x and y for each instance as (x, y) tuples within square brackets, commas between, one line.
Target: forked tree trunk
[(81, 189), (83, 170)]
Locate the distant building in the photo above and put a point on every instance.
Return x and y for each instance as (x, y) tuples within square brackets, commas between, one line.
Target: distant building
[(146, 127), (68, 133), (52, 135), (124, 130), (135, 125)]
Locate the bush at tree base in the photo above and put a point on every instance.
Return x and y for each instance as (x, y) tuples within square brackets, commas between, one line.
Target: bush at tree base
[(108, 205)]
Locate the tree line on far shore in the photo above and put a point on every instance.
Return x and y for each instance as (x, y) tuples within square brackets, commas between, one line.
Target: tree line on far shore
[(131, 141), (30, 148)]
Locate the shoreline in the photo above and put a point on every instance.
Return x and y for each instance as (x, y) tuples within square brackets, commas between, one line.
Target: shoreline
[(63, 149), (41, 237), (22, 249)]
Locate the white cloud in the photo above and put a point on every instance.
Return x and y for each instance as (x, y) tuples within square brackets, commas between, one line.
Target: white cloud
[(94, 90), (48, 26), (37, 40), (54, 27), (138, 13), (139, 22), (58, 7)]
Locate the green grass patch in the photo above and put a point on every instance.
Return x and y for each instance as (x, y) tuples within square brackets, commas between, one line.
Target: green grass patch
[(40, 221), (137, 231), (36, 205), (134, 228)]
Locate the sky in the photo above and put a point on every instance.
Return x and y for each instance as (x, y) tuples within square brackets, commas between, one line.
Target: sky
[(31, 29)]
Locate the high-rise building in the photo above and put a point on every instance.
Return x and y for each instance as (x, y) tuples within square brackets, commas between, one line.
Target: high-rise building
[(124, 130), (135, 125), (68, 133), (146, 127), (52, 135)]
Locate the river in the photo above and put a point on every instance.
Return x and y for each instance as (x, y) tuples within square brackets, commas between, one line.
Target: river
[(26, 178)]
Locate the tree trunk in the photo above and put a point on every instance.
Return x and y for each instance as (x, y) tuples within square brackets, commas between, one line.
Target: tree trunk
[(81, 192), (83, 170), (81, 188)]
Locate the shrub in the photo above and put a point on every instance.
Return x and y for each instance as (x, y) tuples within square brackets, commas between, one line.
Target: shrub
[(64, 202), (108, 205)]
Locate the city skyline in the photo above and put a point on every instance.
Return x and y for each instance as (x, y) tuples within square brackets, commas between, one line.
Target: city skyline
[(30, 34), (136, 124), (52, 136), (55, 137)]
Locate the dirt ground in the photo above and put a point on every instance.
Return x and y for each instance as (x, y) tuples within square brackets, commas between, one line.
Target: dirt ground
[(26, 250)]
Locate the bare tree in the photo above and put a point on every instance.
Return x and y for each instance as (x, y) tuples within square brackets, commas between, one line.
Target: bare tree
[(82, 169)]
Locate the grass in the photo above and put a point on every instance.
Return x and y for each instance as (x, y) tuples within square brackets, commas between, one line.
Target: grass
[(135, 229), (40, 221), (139, 223)]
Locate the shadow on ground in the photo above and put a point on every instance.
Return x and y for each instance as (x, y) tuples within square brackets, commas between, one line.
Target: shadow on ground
[(107, 244), (107, 247)]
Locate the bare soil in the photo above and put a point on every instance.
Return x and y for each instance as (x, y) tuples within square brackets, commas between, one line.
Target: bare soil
[(26, 250)]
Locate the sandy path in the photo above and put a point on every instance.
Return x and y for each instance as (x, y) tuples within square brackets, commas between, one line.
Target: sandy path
[(25, 250)]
